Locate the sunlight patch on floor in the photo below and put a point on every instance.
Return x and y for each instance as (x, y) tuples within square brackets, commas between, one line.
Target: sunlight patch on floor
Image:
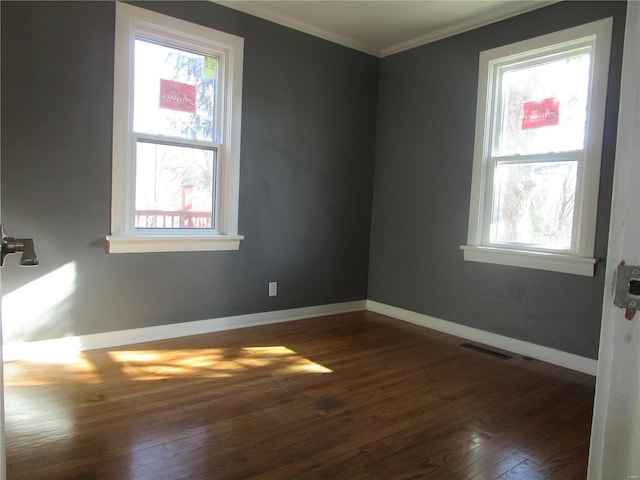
[(73, 364), (91, 366), (210, 362)]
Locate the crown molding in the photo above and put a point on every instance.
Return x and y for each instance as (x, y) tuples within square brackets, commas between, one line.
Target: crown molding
[(508, 11), (462, 27)]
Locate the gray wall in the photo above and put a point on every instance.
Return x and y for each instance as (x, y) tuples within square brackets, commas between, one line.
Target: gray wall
[(308, 137), (426, 121)]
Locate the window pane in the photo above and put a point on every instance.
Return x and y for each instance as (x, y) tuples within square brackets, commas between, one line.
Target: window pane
[(175, 92), (543, 107), (174, 186), (533, 204)]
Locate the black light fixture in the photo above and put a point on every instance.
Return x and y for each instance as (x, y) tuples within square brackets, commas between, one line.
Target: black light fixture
[(12, 245)]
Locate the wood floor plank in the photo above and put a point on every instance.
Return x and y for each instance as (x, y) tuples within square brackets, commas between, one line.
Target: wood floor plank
[(352, 396)]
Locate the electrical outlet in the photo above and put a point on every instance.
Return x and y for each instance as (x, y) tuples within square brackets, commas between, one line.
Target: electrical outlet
[(273, 289)]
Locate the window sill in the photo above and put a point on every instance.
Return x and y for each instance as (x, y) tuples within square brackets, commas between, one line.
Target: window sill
[(172, 244), (551, 262)]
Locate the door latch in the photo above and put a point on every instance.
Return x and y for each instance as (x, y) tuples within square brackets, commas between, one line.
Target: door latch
[(12, 245), (627, 289)]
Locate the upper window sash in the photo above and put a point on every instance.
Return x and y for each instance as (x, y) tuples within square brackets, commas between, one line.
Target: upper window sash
[(152, 51), (500, 68)]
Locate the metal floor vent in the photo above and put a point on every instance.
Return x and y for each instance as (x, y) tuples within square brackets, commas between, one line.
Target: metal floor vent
[(480, 349)]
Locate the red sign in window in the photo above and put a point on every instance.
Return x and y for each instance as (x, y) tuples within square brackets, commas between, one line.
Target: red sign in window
[(177, 96), (543, 113)]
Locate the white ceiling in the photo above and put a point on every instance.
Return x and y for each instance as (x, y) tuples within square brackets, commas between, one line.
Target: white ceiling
[(383, 27)]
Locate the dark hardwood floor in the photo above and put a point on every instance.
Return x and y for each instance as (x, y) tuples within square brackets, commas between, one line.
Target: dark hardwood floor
[(353, 396)]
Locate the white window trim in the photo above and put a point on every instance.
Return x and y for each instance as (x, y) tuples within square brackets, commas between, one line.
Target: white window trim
[(580, 260), (130, 21)]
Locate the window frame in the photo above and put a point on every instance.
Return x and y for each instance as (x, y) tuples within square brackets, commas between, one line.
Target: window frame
[(579, 258), (134, 22)]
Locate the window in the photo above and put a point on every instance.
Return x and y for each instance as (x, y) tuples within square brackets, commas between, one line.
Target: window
[(176, 135), (538, 144)]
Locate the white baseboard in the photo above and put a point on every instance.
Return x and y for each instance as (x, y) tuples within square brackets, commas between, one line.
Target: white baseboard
[(66, 345), (546, 354), (26, 350)]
